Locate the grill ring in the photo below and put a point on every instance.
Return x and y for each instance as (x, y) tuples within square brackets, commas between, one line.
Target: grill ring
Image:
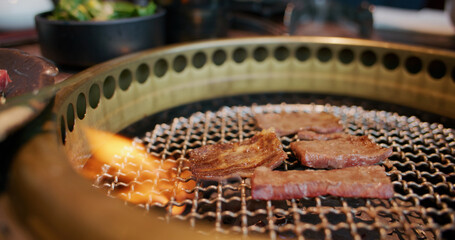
[(164, 88)]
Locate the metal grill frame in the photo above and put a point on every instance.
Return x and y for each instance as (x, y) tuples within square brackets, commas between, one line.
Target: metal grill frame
[(107, 97), (405, 216)]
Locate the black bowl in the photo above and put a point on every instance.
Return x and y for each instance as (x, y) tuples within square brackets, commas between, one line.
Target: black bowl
[(83, 44)]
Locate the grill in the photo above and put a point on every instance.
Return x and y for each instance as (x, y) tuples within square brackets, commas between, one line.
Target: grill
[(422, 170), (107, 97)]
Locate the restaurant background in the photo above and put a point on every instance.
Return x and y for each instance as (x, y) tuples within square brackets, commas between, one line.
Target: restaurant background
[(416, 23)]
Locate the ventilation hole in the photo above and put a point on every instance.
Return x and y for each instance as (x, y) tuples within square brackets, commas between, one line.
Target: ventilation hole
[(390, 61), (442, 190), (62, 130), (437, 69), (81, 106), (160, 68), (324, 54), (260, 54), (94, 96), (441, 218), (430, 203), (403, 168), (400, 189), (340, 233), (302, 54), (179, 63), (281, 53), (125, 79), (445, 169), (109, 87), (199, 60), (142, 73), (434, 179), (429, 151), (413, 65), (239, 55), (372, 234), (70, 117), (314, 234), (451, 179), (420, 190), (334, 218), (219, 57), (412, 178), (450, 203), (368, 58), (448, 234), (346, 56)]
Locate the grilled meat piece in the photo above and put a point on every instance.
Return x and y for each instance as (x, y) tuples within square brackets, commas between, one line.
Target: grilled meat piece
[(291, 123), (310, 135), (362, 181), (225, 160), (344, 151), (4, 80)]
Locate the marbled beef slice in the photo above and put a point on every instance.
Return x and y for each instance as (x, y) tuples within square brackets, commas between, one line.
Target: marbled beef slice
[(341, 152), (362, 181), (290, 123)]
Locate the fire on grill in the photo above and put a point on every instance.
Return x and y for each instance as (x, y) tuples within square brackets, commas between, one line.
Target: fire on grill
[(154, 171), (133, 174)]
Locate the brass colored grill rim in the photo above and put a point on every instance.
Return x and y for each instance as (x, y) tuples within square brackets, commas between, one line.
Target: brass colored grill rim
[(115, 94)]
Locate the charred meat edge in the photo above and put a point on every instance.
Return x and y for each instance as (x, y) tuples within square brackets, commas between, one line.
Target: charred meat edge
[(226, 160)]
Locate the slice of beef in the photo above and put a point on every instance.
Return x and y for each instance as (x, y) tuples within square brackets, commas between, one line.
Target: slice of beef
[(310, 135), (225, 160), (4, 80), (291, 123), (344, 151), (362, 181)]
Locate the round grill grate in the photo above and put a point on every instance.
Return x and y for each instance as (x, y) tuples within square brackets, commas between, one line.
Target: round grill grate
[(422, 169)]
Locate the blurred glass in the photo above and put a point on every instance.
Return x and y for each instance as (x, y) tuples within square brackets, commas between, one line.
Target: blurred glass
[(20, 14), (450, 8), (344, 18), (189, 20)]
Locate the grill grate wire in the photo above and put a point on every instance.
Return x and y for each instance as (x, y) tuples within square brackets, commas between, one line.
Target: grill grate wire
[(422, 169)]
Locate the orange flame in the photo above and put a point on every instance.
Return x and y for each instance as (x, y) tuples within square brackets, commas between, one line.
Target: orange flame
[(135, 175)]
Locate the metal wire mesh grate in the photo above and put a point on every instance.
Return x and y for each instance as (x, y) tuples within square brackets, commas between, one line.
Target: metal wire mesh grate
[(422, 169)]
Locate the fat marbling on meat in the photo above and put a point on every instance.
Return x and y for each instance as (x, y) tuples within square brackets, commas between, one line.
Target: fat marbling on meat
[(239, 159), (342, 151), (290, 123), (361, 181)]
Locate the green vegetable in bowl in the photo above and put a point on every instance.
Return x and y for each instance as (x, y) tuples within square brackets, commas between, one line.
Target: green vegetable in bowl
[(97, 10)]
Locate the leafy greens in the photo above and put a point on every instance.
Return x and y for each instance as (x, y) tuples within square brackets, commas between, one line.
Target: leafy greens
[(97, 10)]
